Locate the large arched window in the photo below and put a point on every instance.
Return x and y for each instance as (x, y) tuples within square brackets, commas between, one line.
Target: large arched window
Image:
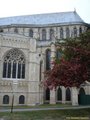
[(6, 99), (47, 94), (75, 32), (59, 94), (61, 33), (68, 94), (51, 34), (21, 99), (14, 65), (48, 59), (43, 34), (67, 33), (31, 33)]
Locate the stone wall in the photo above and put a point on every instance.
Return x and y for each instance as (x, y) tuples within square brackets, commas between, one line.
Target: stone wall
[(34, 51)]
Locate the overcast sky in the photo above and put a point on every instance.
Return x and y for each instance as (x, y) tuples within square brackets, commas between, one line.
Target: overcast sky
[(28, 7)]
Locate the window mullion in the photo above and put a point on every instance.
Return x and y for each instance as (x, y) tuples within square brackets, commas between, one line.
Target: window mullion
[(7, 70), (17, 69), (21, 71), (11, 68)]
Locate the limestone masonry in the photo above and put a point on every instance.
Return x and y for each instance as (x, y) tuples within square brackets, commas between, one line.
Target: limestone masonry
[(26, 50)]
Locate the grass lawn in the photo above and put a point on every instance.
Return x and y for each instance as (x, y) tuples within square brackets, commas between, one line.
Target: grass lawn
[(39, 106), (48, 115)]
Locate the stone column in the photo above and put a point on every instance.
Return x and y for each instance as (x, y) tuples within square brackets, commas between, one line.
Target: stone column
[(74, 96), (52, 96), (63, 94), (33, 80), (53, 53), (52, 92)]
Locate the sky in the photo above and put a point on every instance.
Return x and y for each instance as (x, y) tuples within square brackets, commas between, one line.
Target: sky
[(10, 8)]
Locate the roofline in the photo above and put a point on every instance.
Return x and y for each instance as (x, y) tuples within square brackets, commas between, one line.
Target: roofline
[(45, 25), (37, 14)]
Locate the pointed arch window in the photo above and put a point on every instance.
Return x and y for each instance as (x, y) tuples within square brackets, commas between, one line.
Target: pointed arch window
[(5, 99), (67, 33), (47, 94), (16, 30), (31, 33), (61, 33), (68, 94), (59, 94), (82, 91), (21, 99), (48, 59), (43, 34), (75, 32), (80, 30), (14, 65), (51, 34)]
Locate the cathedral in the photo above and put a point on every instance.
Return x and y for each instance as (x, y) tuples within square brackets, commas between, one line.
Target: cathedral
[(27, 46)]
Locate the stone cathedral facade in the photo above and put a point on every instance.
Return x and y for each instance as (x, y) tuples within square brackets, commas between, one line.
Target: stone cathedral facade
[(26, 51)]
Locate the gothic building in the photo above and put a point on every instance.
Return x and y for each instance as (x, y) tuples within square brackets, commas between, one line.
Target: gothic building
[(26, 51)]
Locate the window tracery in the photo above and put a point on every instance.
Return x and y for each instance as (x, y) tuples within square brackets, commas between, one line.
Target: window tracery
[(14, 65)]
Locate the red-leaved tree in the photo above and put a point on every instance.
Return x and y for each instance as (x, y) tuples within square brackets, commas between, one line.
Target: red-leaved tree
[(73, 68)]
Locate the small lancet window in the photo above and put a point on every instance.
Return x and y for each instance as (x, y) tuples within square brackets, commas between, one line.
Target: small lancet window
[(16, 30), (51, 34), (75, 32), (80, 30), (48, 59), (1, 30), (67, 33), (43, 34), (31, 33)]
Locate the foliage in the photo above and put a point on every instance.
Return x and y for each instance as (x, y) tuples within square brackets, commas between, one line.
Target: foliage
[(73, 68)]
